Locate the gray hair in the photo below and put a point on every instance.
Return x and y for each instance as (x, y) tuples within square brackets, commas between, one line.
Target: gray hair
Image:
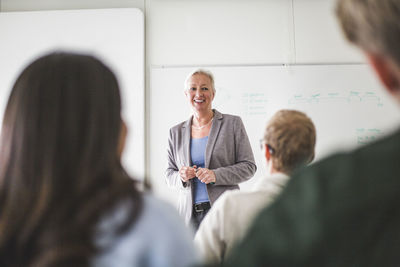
[(373, 25), (200, 71)]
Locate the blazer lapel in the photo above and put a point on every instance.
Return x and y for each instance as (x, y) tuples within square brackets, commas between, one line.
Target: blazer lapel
[(212, 137), (186, 141)]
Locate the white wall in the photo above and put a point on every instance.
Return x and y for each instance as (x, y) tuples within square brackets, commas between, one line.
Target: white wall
[(219, 32), (318, 36), (192, 32), (223, 32)]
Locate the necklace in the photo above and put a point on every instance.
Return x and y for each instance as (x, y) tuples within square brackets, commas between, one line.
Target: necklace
[(201, 127)]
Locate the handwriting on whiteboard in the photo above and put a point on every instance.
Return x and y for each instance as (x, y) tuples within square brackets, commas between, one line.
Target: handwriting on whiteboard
[(334, 97), (365, 136), (254, 104)]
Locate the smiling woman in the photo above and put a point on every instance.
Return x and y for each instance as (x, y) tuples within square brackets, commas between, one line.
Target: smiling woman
[(207, 154)]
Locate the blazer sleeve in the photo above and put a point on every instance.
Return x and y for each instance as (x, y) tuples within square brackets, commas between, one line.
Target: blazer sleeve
[(172, 176), (244, 166)]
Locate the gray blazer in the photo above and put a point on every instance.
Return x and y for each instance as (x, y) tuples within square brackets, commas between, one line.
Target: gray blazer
[(228, 153)]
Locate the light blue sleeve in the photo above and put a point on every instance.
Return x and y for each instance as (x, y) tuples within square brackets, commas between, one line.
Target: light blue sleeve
[(159, 238)]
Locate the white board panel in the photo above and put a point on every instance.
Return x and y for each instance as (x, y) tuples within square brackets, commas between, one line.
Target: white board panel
[(192, 32), (114, 35), (346, 102), (318, 35)]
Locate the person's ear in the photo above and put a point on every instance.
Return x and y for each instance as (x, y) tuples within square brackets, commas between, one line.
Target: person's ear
[(267, 153), (385, 71), (122, 138), (213, 94)]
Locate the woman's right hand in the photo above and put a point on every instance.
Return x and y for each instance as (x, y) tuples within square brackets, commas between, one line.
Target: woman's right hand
[(187, 173)]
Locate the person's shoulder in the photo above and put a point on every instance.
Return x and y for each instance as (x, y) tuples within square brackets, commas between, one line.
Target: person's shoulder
[(231, 117), (148, 241), (225, 208), (158, 210), (384, 147), (237, 195), (179, 126), (227, 117), (228, 195), (152, 212), (157, 205), (354, 166), (232, 199), (167, 227)]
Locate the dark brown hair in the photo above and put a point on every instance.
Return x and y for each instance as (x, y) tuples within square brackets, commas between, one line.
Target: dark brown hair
[(291, 136), (60, 171)]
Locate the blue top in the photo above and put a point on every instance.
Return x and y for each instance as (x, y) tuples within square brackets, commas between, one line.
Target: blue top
[(197, 154), (148, 241)]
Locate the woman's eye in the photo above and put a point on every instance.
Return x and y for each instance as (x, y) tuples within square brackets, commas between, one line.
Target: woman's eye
[(204, 88), (193, 88)]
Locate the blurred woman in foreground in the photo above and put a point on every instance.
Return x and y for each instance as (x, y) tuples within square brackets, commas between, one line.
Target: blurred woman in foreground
[(65, 199)]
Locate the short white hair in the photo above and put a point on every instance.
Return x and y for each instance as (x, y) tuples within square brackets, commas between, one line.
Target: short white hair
[(200, 71)]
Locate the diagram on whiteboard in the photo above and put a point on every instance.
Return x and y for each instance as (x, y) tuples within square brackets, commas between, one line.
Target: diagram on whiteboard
[(350, 97)]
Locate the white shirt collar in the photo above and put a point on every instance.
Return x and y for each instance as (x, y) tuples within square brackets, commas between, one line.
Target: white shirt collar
[(277, 179)]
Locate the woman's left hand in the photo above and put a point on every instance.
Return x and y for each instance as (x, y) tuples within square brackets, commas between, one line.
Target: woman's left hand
[(205, 175)]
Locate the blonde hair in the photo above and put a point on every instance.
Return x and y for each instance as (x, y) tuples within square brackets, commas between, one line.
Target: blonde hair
[(291, 136), (373, 25), (200, 71)]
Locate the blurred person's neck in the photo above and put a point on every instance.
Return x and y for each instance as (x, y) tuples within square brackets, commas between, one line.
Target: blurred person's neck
[(271, 169)]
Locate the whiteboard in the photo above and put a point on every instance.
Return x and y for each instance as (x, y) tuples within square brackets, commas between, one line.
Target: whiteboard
[(114, 35), (346, 103)]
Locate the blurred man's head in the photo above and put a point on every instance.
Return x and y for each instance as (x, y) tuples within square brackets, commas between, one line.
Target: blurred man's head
[(289, 138), (374, 26)]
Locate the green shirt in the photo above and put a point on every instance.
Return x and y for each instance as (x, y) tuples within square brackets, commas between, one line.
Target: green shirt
[(341, 211)]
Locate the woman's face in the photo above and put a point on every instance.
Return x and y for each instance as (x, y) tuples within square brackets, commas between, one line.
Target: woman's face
[(200, 92)]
